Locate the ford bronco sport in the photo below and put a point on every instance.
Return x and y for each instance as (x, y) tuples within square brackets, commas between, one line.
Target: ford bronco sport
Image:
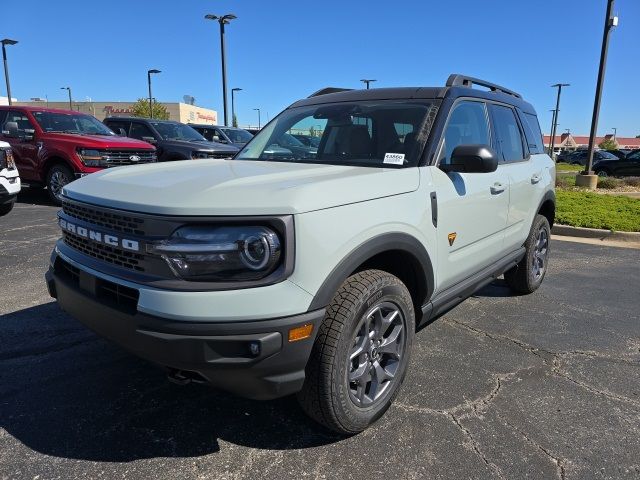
[(271, 275)]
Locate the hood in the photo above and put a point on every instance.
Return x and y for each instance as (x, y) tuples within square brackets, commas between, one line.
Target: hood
[(238, 187), (100, 141), (201, 145)]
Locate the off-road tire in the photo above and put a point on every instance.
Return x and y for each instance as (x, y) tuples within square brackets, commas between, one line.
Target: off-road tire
[(56, 174), (522, 278), (327, 396)]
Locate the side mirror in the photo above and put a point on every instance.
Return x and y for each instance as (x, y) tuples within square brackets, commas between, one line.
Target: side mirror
[(472, 159), (11, 130), (149, 140)]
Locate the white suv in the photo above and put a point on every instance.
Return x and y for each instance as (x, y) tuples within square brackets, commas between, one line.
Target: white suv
[(9, 179), (281, 272)]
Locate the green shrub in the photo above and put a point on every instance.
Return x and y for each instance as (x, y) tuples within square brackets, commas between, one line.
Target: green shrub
[(593, 210), (632, 181), (565, 181), (608, 183)]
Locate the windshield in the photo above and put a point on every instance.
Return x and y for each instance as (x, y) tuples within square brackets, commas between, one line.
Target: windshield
[(608, 156), (77, 123), (237, 135), (177, 131), (371, 134)]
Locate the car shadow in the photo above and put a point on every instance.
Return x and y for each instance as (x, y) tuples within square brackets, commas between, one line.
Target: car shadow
[(35, 196), (67, 393), (497, 288)]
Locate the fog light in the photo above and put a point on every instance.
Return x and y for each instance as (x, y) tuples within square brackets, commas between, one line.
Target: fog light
[(300, 333), (254, 348)]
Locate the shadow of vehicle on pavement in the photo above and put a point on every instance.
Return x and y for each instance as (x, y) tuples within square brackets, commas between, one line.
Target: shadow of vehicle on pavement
[(67, 393), (35, 196)]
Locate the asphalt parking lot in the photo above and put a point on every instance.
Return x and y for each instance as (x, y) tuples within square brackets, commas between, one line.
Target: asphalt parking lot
[(542, 386)]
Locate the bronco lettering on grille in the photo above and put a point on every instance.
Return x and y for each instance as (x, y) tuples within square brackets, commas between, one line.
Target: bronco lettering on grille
[(99, 237)]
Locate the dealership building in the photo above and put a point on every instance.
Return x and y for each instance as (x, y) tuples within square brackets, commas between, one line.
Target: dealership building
[(567, 141), (181, 112)]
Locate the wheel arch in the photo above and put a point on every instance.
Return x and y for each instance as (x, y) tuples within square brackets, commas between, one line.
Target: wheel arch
[(400, 254), (55, 160), (547, 207)]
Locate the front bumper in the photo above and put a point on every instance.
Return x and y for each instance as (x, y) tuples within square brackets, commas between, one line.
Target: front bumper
[(223, 354), (9, 186)]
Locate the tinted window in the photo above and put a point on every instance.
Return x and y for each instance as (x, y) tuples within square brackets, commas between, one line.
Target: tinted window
[(533, 133), (116, 125), (467, 125), (76, 123), (139, 130), (508, 136), (607, 155)]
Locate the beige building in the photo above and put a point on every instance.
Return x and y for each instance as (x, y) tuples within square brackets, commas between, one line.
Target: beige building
[(181, 112)]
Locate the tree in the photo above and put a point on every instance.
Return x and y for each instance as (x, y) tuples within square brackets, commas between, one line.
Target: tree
[(608, 144), (234, 121), (141, 109)]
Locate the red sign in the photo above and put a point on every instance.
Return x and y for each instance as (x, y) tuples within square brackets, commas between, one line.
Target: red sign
[(110, 110)]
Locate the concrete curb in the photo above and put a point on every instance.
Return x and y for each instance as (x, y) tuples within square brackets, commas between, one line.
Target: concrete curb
[(566, 230)]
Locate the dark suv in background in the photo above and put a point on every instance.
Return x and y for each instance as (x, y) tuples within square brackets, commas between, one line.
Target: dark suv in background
[(173, 140), (237, 137), (54, 147)]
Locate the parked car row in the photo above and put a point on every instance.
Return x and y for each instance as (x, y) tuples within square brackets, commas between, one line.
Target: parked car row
[(53, 147)]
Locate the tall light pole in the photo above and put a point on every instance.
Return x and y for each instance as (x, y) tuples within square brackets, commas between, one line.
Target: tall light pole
[(553, 122), (555, 116), (610, 21), (258, 110), (68, 89), (149, 72), (368, 81), (5, 42), (233, 107), (615, 132), (223, 20)]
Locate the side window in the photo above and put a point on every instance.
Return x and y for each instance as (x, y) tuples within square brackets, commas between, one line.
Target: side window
[(467, 125), (116, 125), (139, 130), (21, 119), (508, 136), (533, 133)]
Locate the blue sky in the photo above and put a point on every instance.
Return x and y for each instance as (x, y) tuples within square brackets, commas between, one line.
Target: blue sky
[(280, 51)]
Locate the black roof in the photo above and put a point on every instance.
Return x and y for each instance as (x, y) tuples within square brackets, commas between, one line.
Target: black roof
[(457, 86)]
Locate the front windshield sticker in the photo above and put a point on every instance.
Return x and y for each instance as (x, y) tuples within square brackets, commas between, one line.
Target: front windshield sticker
[(394, 158)]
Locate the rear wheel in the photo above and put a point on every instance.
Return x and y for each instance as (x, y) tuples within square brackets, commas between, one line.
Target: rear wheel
[(527, 276), (602, 173), (57, 177), (360, 354)]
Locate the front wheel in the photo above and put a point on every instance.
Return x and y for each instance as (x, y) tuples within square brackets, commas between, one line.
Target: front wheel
[(602, 173), (527, 276), (57, 177), (360, 354)]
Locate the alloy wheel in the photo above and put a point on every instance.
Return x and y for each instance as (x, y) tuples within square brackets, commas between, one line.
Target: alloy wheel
[(57, 182), (541, 249), (376, 353)]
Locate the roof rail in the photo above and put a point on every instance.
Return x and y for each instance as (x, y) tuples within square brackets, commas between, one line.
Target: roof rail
[(324, 91), (456, 79)]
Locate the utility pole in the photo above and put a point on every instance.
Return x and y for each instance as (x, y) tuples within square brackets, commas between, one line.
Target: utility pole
[(587, 178), (5, 42), (555, 117)]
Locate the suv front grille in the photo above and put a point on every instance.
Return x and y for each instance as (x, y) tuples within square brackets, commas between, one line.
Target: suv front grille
[(113, 255), (118, 158), (112, 221)]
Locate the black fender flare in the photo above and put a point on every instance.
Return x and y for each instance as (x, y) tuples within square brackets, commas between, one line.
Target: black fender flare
[(367, 250), (550, 195)]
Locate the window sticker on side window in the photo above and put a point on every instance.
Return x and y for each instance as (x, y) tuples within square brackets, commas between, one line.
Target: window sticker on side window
[(394, 158)]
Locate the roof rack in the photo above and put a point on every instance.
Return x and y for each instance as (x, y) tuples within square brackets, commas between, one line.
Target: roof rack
[(325, 91), (456, 79)]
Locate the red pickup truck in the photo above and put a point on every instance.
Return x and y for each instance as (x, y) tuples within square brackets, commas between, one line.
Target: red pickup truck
[(54, 147)]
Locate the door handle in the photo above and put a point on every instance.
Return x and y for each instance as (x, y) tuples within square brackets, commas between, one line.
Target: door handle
[(497, 188), (535, 178)]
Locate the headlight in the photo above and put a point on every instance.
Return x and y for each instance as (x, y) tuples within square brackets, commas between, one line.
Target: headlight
[(216, 254), (92, 158)]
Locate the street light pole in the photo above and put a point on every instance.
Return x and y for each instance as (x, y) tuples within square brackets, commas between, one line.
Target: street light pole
[(258, 110), (610, 21), (68, 89), (223, 20), (555, 117), (553, 121), (234, 122), (367, 81), (615, 132), (149, 72), (5, 42)]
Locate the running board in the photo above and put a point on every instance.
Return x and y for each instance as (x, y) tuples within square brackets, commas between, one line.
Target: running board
[(452, 296)]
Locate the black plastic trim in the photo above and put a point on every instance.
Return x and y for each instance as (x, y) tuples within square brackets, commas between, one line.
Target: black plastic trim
[(434, 208), (452, 296), (367, 250)]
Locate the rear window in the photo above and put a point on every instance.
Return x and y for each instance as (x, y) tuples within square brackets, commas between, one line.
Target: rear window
[(533, 133)]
